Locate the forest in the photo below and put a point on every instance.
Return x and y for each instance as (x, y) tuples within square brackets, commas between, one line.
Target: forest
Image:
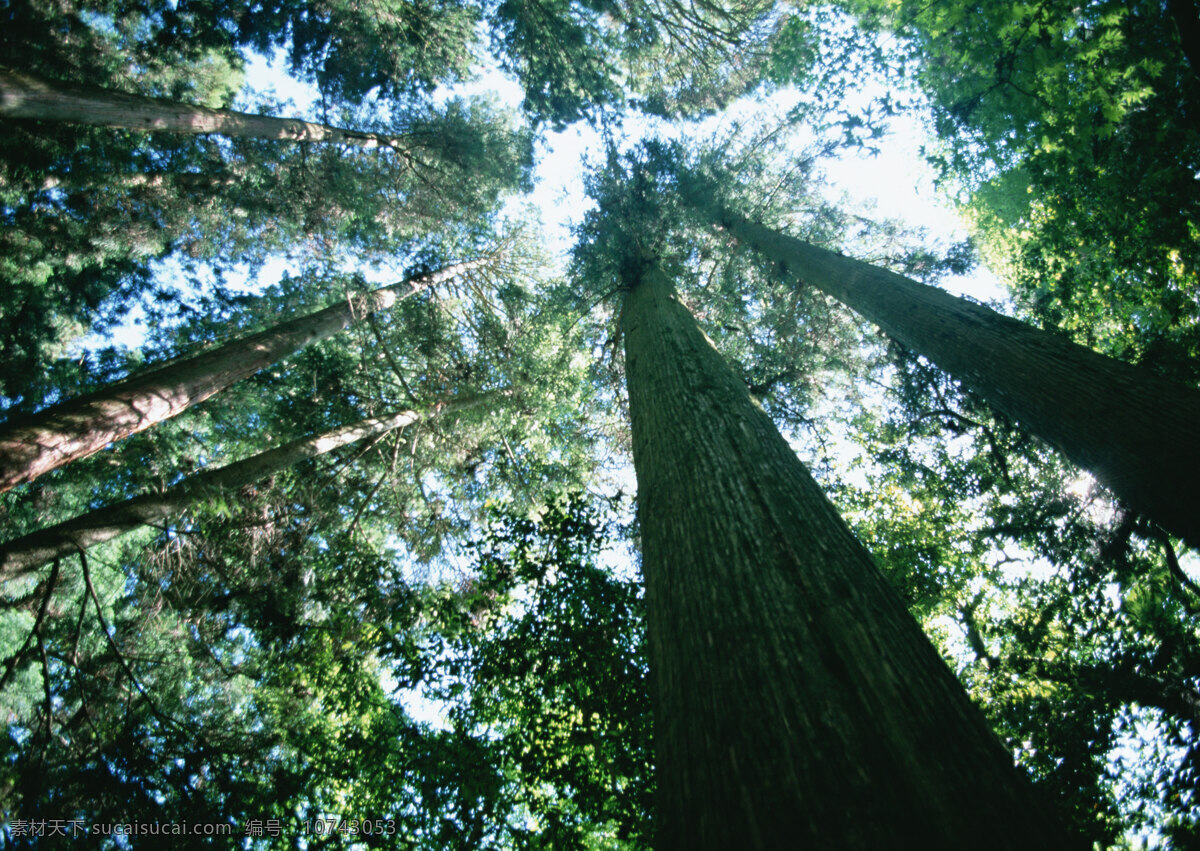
[(340, 507)]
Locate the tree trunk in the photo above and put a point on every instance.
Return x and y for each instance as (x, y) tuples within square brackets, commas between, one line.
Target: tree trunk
[(32, 446), (23, 96), (796, 702), (1137, 432), (22, 555)]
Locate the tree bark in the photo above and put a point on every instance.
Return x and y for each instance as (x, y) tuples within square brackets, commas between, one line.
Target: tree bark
[(24, 96), (23, 555), (796, 702), (1135, 431), (35, 445)]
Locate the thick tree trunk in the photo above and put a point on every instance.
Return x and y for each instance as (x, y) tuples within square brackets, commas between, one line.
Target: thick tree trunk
[(23, 96), (22, 555), (1137, 432), (63, 433), (796, 702)]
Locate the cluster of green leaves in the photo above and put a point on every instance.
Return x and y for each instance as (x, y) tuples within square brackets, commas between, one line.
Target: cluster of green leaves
[(544, 660), (261, 666), (577, 58)]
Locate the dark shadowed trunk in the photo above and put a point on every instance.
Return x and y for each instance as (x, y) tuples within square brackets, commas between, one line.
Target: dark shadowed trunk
[(32, 446), (1187, 22), (797, 704), (24, 96), (1137, 432), (18, 557)]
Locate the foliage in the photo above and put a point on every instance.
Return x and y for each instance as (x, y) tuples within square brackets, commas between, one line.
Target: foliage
[(544, 659), (87, 210), (258, 665)]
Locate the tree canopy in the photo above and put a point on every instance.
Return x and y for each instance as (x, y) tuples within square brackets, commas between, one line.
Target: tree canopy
[(374, 575)]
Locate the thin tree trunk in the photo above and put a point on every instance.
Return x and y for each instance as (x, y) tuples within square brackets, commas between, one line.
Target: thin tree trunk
[(35, 445), (22, 555), (24, 96), (1137, 432), (796, 702)]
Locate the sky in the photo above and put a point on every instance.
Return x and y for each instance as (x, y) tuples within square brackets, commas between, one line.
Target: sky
[(895, 183)]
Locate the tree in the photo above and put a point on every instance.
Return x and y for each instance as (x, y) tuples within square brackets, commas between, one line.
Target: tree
[(289, 620), (259, 596), (87, 211), (576, 58), (573, 58), (19, 556), (76, 234), (1060, 610), (29, 97), (1094, 409), (76, 429), (796, 702), (835, 722), (541, 660), (403, 50)]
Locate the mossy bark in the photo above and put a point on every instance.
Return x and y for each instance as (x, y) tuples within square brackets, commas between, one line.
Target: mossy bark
[(797, 704)]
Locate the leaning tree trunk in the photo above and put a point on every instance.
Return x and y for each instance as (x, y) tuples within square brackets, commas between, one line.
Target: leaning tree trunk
[(32, 446), (22, 555), (796, 702), (1137, 432), (24, 96)]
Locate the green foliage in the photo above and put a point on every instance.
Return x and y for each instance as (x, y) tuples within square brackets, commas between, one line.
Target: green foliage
[(548, 667), (87, 210), (579, 58), (260, 665)]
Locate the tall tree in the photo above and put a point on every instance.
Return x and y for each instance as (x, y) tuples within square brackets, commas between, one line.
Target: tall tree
[(87, 211), (1069, 134), (21, 555), (81, 240), (796, 701), (1136, 431), (35, 445), (40, 99), (1067, 617)]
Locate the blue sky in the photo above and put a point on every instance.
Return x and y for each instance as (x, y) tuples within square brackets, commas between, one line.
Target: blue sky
[(895, 183)]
